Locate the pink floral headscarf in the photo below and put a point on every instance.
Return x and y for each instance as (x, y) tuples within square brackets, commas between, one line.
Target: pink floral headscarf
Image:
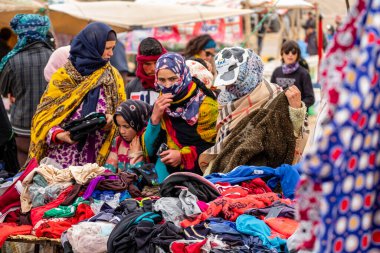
[(201, 72)]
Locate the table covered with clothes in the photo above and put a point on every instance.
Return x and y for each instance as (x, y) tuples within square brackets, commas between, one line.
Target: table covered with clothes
[(91, 209)]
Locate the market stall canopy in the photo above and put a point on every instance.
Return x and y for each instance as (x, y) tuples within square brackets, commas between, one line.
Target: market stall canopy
[(9, 8), (281, 4), (72, 16), (224, 3)]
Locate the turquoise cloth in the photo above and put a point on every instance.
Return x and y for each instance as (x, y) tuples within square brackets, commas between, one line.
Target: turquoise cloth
[(250, 225), (123, 166), (29, 28), (65, 211), (151, 134)]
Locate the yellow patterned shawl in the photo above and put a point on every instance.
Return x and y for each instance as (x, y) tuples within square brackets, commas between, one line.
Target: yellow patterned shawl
[(64, 93)]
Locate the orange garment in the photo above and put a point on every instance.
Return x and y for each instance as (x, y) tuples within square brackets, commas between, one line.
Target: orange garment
[(8, 229), (231, 208), (282, 227)]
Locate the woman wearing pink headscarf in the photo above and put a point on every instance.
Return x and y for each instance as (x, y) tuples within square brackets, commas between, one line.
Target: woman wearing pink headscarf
[(57, 59)]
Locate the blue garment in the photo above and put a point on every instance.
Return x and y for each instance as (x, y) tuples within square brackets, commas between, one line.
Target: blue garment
[(288, 175), (109, 194), (220, 226), (210, 44), (250, 225), (303, 48), (118, 60), (151, 134), (29, 29), (227, 232), (88, 46)]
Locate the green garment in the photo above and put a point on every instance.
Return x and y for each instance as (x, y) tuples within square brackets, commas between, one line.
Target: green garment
[(65, 211)]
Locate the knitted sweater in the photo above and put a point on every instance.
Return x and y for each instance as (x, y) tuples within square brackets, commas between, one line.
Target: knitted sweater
[(264, 138)]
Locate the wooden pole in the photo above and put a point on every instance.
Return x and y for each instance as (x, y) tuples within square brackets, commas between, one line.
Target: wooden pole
[(298, 29), (348, 6), (293, 24), (316, 18), (247, 24)]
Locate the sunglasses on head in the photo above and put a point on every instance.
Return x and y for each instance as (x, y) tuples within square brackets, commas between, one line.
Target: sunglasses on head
[(208, 54), (293, 51)]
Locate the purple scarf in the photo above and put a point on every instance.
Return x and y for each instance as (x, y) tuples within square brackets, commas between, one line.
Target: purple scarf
[(290, 68), (189, 111)]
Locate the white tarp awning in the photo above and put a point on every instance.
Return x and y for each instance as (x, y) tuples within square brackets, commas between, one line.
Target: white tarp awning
[(71, 17), (281, 4), (9, 8), (224, 3)]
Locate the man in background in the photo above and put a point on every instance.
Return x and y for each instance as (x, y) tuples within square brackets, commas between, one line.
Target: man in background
[(22, 75)]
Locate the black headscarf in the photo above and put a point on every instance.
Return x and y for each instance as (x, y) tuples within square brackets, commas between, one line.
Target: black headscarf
[(135, 112), (88, 46)]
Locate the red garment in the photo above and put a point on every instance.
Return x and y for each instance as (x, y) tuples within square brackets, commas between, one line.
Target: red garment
[(146, 81), (256, 186), (53, 228), (37, 213), (8, 229), (13, 216), (187, 247), (232, 191), (282, 227), (230, 209), (11, 197)]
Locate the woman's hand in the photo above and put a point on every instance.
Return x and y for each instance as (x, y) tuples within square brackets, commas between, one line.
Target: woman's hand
[(108, 125), (171, 157), (293, 95), (65, 137), (160, 106), (135, 151)]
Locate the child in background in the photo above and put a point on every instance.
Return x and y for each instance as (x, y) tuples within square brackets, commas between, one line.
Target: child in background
[(131, 118)]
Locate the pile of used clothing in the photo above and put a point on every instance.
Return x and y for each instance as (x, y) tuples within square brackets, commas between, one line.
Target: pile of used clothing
[(91, 209)]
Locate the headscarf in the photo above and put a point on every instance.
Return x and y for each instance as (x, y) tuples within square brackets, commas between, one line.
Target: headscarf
[(57, 59), (146, 81), (135, 112), (201, 72), (29, 28), (187, 97), (249, 77), (210, 44), (88, 46)]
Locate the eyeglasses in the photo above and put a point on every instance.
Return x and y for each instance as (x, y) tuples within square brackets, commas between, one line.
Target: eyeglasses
[(208, 54), (293, 51)]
